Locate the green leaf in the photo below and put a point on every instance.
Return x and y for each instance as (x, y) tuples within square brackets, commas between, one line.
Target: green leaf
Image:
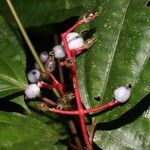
[(120, 56), (54, 120), (20, 101), (36, 13), (38, 145), (131, 136), (23, 131), (12, 63)]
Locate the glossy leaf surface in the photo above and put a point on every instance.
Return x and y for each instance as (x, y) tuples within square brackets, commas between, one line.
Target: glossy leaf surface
[(26, 132), (119, 57), (130, 136), (36, 13), (12, 65)]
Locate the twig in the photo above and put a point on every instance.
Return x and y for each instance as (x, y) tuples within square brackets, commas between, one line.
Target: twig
[(24, 33), (75, 134)]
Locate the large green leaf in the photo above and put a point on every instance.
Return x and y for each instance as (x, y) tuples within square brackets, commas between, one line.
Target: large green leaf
[(54, 120), (19, 131), (120, 55), (12, 64), (131, 136), (35, 12)]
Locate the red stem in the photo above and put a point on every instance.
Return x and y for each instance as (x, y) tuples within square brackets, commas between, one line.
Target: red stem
[(78, 23), (81, 111), (64, 112), (76, 89), (71, 54), (45, 85), (99, 108), (68, 52), (56, 83), (53, 78), (86, 111), (80, 107)]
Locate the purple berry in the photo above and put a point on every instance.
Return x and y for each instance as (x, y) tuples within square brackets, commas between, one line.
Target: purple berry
[(44, 56), (36, 66)]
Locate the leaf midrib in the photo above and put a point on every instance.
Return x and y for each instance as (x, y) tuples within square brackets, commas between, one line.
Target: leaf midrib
[(21, 86)]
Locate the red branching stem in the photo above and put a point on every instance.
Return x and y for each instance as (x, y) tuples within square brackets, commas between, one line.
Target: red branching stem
[(66, 45), (76, 89), (71, 54), (45, 85), (78, 23), (85, 111), (102, 107), (59, 86), (80, 108), (53, 78), (56, 83), (64, 112), (68, 52)]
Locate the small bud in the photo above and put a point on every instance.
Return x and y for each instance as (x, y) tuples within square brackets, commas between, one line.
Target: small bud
[(44, 56), (43, 106), (68, 62), (59, 52), (33, 76), (50, 65), (32, 91), (44, 77), (89, 42), (122, 94), (36, 66), (90, 16)]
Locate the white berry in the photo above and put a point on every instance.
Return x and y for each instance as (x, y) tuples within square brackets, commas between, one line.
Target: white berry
[(32, 91), (122, 94), (59, 52), (44, 56), (75, 40), (34, 75)]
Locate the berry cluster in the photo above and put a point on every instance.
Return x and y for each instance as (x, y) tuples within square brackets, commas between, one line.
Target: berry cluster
[(72, 44)]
